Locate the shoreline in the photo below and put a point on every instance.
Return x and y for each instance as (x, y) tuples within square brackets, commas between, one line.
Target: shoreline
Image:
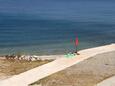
[(47, 57), (33, 57), (31, 50)]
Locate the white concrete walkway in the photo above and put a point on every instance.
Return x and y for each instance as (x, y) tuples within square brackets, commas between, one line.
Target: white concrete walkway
[(40, 72), (108, 82)]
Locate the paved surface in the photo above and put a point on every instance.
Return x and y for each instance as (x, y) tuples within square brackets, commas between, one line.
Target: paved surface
[(107, 82), (40, 72)]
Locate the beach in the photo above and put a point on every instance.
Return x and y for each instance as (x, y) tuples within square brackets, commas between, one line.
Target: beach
[(86, 73)]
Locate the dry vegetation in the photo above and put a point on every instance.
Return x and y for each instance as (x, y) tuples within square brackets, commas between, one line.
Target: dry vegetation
[(13, 67), (64, 79)]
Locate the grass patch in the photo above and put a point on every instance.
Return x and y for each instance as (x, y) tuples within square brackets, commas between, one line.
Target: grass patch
[(62, 78), (13, 67)]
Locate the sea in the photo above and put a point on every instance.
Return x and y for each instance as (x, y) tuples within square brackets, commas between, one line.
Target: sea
[(47, 27)]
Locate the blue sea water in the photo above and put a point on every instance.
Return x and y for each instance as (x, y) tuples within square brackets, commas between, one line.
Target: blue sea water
[(50, 26)]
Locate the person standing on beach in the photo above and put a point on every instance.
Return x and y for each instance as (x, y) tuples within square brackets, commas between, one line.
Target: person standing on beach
[(76, 45)]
